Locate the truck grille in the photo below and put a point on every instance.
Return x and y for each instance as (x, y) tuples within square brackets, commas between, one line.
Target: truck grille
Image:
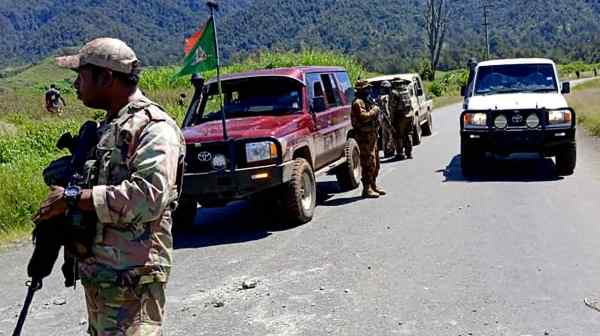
[(517, 118), (199, 157)]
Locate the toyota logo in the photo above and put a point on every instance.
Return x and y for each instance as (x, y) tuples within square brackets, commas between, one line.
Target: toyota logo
[(204, 156), (517, 118)]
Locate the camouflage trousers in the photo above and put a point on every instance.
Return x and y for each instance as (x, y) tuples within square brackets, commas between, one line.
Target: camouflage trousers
[(369, 155), (404, 133), (387, 139), (116, 310)]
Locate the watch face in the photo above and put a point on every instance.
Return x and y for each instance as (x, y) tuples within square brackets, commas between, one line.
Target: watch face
[(72, 192)]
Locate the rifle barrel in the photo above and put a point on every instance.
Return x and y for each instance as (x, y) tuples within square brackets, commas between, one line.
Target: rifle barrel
[(33, 287)]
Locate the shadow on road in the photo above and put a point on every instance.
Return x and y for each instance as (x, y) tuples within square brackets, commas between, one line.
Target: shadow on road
[(240, 222), (327, 190), (235, 223), (517, 168)]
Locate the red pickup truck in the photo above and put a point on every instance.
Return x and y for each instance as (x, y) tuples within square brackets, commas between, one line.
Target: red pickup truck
[(284, 127)]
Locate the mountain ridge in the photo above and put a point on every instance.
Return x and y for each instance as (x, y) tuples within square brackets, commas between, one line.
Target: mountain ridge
[(387, 36)]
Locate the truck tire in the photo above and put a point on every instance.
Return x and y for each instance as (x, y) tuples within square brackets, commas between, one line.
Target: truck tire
[(300, 194), (428, 127), (470, 158), (348, 174), (417, 132), (184, 215), (566, 160)]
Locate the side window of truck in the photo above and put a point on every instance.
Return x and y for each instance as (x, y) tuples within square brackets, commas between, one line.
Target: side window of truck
[(418, 87), (346, 86), (331, 91), (316, 95)]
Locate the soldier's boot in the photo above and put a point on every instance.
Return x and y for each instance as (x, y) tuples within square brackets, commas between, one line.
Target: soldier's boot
[(368, 191), (377, 189)]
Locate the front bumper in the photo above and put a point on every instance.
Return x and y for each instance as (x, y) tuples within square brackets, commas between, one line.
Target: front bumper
[(222, 187), (546, 141)]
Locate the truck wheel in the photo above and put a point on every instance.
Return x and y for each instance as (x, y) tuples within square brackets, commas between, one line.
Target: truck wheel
[(470, 158), (566, 159), (349, 174), (428, 127), (184, 215), (417, 132), (300, 194)]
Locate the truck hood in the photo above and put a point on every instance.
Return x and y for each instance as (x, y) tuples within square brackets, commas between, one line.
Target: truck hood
[(245, 128), (516, 101)]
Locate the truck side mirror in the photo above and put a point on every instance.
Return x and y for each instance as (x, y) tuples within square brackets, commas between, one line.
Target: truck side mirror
[(463, 91), (318, 104), (566, 88)]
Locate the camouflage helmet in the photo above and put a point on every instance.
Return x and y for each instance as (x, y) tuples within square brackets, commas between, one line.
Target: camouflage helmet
[(105, 52), (362, 84), (386, 84)]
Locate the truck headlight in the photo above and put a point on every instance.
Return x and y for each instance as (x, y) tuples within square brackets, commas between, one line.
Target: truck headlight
[(475, 120), (261, 151), (560, 118), (533, 121)]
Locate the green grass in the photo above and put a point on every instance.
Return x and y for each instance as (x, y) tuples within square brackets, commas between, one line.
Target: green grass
[(585, 100), (445, 101)]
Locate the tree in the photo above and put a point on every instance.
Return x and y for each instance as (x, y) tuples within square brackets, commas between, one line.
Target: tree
[(437, 14)]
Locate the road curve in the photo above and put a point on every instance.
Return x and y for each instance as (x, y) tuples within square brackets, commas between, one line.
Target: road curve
[(511, 253)]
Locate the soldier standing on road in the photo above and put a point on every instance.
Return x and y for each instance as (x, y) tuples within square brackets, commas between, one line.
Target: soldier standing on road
[(138, 162), (387, 130), (364, 121), (403, 115), (54, 101)]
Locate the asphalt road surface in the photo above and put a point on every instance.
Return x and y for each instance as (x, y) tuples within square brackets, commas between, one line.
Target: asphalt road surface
[(511, 253)]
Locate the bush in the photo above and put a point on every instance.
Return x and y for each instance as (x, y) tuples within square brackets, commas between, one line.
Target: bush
[(449, 84), (164, 77)]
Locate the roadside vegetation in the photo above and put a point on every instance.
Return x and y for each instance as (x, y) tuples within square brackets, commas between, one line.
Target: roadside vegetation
[(585, 100)]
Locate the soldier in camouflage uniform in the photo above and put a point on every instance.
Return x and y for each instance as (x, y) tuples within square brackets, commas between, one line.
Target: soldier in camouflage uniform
[(364, 121), (387, 130), (138, 162), (403, 114)]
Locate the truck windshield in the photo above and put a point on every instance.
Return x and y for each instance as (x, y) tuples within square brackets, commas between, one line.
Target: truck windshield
[(515, 78), (250, 97)]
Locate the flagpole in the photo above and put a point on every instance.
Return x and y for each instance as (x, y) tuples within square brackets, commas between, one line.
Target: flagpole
[(212, 4)]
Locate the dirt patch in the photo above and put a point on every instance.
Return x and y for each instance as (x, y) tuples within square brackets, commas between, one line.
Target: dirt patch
[(7, 129)]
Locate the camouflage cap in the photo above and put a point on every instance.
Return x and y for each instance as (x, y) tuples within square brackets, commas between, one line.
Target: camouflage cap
[(362, 84), (386, 84), (104, 52)]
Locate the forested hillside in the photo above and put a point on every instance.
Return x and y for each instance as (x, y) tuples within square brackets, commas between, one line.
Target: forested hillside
[(386, 35)]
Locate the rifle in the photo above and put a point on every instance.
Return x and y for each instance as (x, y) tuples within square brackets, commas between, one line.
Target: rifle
[(386, 117), (69, 230)]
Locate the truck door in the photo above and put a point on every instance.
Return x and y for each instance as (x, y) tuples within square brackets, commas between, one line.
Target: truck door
[(420, 95), (328, 111)]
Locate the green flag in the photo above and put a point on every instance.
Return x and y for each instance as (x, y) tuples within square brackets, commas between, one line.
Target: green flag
[(200, 51)]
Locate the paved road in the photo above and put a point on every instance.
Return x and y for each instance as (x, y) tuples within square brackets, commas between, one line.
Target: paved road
[(513, 253)]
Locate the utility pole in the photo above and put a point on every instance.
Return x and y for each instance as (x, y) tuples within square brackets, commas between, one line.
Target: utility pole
[(487, 32)]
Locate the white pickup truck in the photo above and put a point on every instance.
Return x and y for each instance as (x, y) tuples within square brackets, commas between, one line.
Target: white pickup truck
[(517, 105), (422, 102)]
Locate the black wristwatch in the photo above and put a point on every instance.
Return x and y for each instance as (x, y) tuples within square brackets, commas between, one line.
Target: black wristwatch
[(72, 195)]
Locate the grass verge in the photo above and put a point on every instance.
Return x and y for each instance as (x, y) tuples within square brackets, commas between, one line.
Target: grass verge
[(439, 102), (585, 100)]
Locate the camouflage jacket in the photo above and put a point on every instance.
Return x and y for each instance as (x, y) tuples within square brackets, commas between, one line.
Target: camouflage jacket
[(364, 115), (401, 104), (139, 154)]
